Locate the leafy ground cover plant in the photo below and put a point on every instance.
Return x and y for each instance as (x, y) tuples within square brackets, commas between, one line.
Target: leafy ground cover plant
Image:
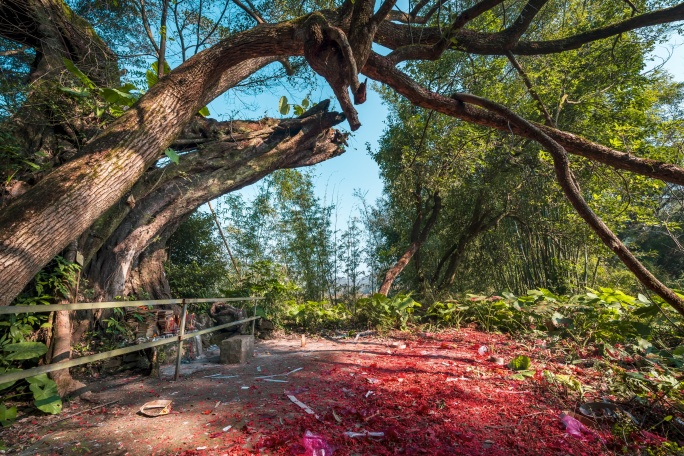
[(19, 344), (633, 343)]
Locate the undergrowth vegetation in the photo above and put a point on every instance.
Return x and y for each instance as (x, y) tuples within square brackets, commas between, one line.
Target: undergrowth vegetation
[(20, 340)]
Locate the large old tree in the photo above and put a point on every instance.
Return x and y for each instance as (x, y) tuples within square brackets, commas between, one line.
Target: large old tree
[(106, 193)]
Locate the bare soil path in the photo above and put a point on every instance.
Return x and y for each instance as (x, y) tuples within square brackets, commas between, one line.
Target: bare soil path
[(439, 396)]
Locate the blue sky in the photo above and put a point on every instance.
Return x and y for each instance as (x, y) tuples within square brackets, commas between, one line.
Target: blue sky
[(335, 179)]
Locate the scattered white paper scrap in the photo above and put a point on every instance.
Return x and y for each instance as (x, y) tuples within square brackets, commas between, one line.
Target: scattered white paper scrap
[(220, 376), (258, 368), (369, 393), (245, 387), (364, 434), (302, 405), (456, 379), (227, 428), (280, 375), (201, 448), (275, 380)]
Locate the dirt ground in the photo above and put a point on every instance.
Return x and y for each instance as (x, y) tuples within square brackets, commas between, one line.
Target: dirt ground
[(438, 395)]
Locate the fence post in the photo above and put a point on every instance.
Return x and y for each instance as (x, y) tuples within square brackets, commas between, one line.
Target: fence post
[(181, 333), (254, 321)]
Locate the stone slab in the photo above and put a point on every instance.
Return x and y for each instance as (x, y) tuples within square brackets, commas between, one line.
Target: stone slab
[(237, 349)]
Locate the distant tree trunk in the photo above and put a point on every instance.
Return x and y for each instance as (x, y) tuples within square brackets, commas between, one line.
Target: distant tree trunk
[(415, 245), (454, 255)]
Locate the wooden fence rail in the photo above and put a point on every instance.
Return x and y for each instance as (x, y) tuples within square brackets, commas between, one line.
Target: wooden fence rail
[(21, 374)]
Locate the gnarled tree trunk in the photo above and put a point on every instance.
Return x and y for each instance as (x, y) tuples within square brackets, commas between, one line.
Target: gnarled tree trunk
[(218, 166)]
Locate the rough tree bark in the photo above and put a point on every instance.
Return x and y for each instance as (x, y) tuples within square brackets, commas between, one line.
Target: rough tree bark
[(50, 126), (60, 346)]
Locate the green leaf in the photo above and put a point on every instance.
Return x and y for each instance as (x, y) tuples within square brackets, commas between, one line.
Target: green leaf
[(78, 73), (298, 110), (645, 345), (152, 78), (155, 67), (128, 88), (643, 299), (32, 165), (642, 328), (118, 97), (45, 395), (283, 107), (25, 350), (520, 363), (173, 156), (523, 374), (81, 92), (559, 320), (6, 385), (648, 311), (305, 103), (7, 415), (204, 111), (40, 379)]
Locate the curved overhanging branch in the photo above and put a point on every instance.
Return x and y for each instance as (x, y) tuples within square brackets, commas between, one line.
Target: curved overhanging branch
[(395, 36), (328, 52), (381, 69), (571, 189)]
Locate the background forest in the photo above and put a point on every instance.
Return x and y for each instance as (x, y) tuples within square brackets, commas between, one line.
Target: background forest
[(501, 223)]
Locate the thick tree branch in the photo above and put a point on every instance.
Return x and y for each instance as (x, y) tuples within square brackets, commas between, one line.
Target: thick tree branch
[(394, 36), (380, 69), (513, 33), (419, 6), (240, 154), (434, 51), (61, 206)]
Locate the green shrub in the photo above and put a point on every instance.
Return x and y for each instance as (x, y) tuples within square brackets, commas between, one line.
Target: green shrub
[(381, 311), (317, 315)]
